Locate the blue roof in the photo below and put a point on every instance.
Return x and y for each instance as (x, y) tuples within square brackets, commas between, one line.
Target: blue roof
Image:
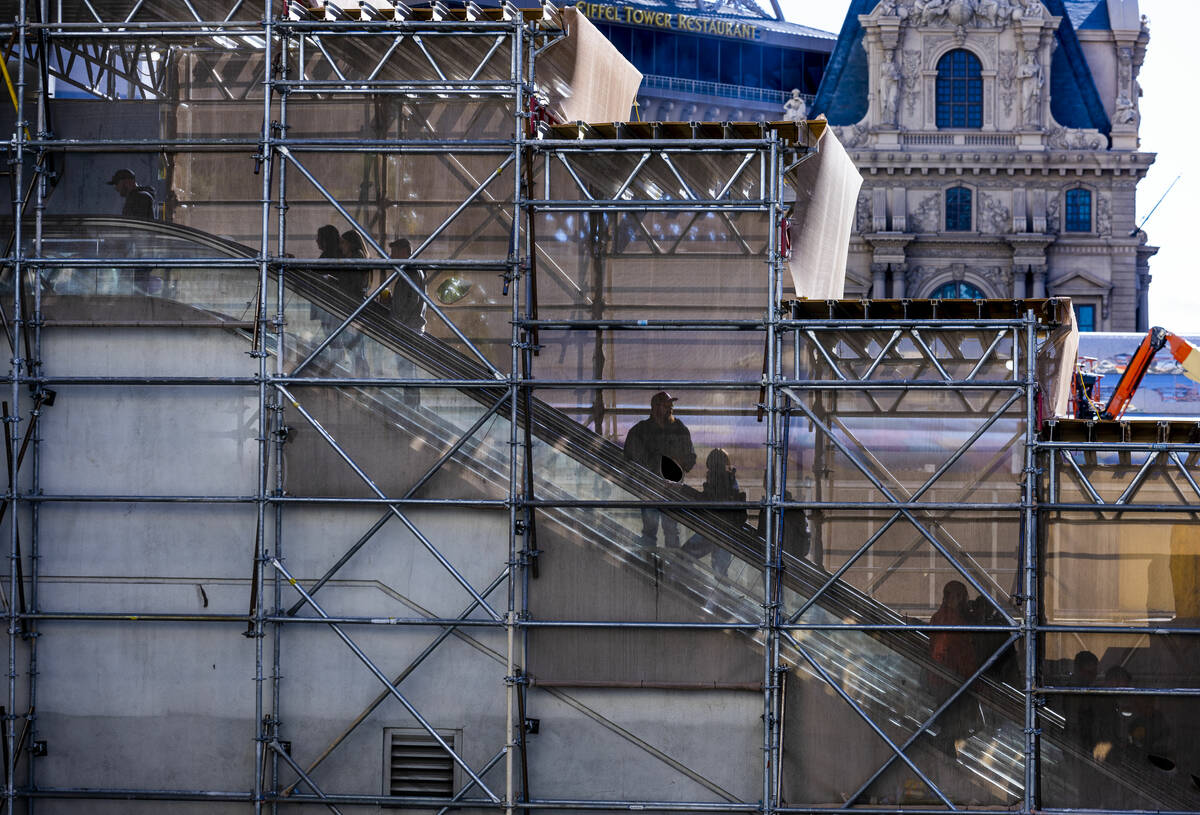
[(1091, 14), (845, 87), (1074, 100)]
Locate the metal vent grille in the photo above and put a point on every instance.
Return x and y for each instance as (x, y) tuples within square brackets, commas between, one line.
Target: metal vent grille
[(417, 765)]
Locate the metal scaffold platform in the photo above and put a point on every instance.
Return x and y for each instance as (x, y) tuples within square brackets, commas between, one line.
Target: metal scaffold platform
[(294, 526)]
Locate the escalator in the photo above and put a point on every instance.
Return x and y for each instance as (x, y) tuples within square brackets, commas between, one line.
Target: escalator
[(887, 673)]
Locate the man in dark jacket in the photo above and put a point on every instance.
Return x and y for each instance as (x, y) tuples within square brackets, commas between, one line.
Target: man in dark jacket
[(407, 305), (663, 445), (139, 203)]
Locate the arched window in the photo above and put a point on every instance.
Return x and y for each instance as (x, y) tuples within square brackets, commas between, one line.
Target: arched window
[(1079, 210), (958, 209), (956, 290), (959, 90)]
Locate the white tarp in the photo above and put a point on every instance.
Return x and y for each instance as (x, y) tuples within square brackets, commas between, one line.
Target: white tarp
[(585, 75), (826, 186)]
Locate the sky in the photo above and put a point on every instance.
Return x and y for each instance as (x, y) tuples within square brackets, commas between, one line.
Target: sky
[(1170, 125)]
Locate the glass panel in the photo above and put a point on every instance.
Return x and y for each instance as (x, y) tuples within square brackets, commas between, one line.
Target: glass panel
[(973, 751), (1115, 660), (1142, 571), (1123, 752)]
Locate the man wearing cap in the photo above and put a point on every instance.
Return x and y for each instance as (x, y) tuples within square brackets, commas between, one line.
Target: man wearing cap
[(139, 203), (663, 445)]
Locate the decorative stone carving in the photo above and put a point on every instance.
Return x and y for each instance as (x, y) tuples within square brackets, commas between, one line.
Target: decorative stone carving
[(862, 213), (1006, 76), (889, 88), (926, 216), (911, 78), (1104, 216), (853, 135), (960, 13), (914, 280), (794, 109), (1124, 67), (993, 217), (1126, 113), (1031, 79), (1066, 138), (1028, 9), (1052, 214)]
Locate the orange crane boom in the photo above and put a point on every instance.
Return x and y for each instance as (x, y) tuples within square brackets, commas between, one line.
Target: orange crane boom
[(1183, 351)]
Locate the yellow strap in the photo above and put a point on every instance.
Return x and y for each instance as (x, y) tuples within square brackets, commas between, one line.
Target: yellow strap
[(12, 92)]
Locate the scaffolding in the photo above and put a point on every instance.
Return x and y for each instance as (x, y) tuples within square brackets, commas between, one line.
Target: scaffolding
[(566, 273)]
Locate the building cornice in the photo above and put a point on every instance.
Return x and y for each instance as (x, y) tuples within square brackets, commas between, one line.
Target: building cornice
[(1011, 163)]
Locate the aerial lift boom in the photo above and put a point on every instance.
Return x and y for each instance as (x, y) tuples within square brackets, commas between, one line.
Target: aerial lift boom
[(1183, 351)]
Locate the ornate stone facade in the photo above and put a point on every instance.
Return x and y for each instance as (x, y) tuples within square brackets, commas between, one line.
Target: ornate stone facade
[(1049, 182)]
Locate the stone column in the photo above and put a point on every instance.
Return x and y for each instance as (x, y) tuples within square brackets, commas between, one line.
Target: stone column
[(1039, 282), (1029, 253), (1018, 282), (887, 250), (879, 280)]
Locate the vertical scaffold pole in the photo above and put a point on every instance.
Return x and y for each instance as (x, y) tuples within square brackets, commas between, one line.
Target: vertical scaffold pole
[(771, 558), (263, 159), (278, 437), (35, 464), (516, 449), (11, 438), (1029, 566)]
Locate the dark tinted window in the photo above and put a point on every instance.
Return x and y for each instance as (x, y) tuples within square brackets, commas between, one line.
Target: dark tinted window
[(959, 90), (686, 58), (730, 67), (958, 210), (1079, 211)]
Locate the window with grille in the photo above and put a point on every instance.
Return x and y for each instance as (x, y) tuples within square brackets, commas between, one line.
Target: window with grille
[(415, 765), (958, 209), (1079, 211), (959, 90)]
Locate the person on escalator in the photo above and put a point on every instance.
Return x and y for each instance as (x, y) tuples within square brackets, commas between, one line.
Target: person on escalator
[(329, 245), (139, 200), (720, 484), (353, 281), (663, 445), (954, 650), (408, 307)]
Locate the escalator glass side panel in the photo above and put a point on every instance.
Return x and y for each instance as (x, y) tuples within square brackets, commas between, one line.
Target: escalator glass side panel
[(430, 420), (971, 751), (1126, 752), (1115, 660), (352, 352), (903, 570)]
